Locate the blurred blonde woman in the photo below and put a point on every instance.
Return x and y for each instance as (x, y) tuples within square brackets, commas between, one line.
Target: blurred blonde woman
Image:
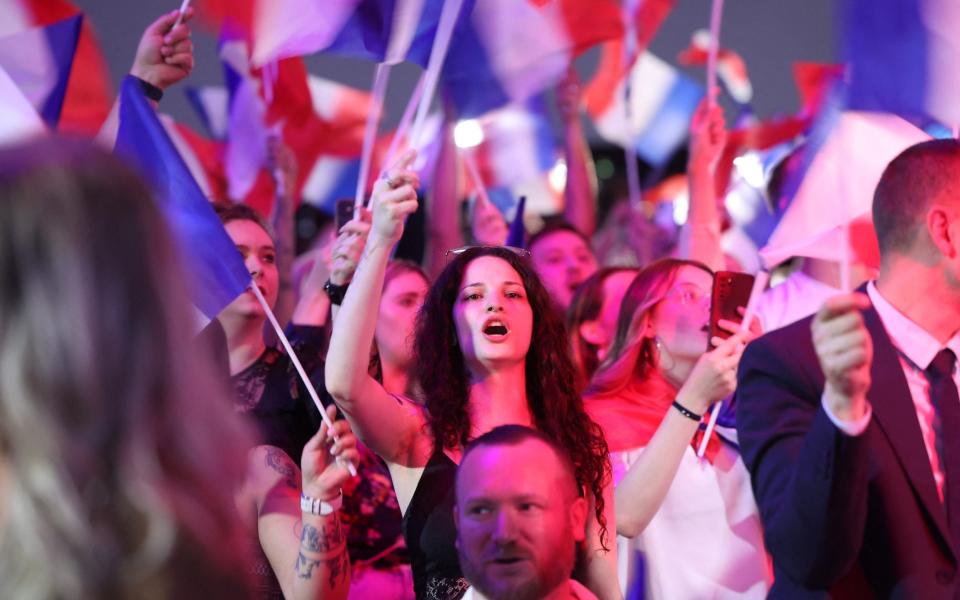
[(118, 452)]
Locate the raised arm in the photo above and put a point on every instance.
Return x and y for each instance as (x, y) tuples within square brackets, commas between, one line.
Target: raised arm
[(307, 550), (390, 427), (580, 193), (700, 238), (164, 57), (810, 479), (642, 490)]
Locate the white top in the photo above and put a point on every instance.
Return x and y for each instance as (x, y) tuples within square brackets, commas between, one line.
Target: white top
[(796, 297), (706, 540), (577, 592), (916, 349)]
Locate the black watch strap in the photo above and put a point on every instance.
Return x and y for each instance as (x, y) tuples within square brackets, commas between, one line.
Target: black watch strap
[(335, 292), (149, 90)]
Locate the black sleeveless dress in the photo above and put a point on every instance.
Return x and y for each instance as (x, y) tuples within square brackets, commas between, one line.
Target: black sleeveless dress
[(431, 533)]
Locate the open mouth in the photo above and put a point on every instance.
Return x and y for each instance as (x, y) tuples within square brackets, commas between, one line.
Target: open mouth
[(495, 328)]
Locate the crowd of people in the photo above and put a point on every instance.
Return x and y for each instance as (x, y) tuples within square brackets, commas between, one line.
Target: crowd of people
[(502, 422)]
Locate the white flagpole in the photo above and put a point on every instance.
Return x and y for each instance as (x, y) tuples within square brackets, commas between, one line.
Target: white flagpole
[(296, 363), (716, 13), (380, 80), (403, 126), (448, 19), (183, 8)]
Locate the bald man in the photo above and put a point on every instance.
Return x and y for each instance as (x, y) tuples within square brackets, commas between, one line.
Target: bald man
[(849, 421), (520, 516)]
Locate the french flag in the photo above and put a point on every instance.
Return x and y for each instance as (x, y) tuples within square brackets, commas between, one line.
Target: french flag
[(904, 58), (326, 142), (517, 152), (508, 51), (39, 60), (731, 69), (216, 269), (661, 105), (518, 144), (837, 189), (389, 31), (88, 96)]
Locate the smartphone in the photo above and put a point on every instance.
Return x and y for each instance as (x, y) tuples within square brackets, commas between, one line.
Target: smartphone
[(344, 212), (731, 290)]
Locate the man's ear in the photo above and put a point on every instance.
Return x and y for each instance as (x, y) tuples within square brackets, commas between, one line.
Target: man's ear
[(592, 333), (941, 226), (578, 518)]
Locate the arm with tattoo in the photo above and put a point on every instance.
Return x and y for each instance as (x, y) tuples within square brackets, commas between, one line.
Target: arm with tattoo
[(307, 552)]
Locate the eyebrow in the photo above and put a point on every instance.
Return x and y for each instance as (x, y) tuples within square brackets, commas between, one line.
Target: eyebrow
[(269, 247), (475, 284)]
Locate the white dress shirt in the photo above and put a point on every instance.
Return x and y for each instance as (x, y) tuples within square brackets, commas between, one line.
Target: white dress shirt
[(916, 349)]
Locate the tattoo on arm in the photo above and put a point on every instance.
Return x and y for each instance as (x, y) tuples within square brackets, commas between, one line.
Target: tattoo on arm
[(327, 539), (337, 565), (322, 540), (277, 460)]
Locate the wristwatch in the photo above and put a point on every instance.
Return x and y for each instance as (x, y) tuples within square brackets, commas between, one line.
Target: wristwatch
[(335, 292), (315, 506)]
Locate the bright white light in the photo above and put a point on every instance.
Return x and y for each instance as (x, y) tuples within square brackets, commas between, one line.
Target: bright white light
[(558, 176), (681, 206), (468, 133), (751, 169)]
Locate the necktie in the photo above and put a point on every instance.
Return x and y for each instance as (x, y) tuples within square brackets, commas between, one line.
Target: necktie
[(943, 392)]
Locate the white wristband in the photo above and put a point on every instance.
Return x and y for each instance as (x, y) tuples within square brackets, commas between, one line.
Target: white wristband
[(315, 506)]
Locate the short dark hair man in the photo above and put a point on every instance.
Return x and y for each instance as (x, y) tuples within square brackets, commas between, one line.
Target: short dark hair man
[(519, 517), (849, 421)]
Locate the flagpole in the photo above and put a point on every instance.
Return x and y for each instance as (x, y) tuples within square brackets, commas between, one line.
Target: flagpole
[(403, 126), (380, 80), (634, 191), (716, 13), (471, 164), (448, 19), (759, 285), (296, 363), (183, 8)]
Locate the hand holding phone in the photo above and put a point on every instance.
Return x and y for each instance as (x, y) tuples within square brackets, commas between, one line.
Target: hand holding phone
[(731, 291)]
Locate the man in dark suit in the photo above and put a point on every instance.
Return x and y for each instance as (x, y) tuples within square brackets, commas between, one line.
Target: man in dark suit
[(849, 421)]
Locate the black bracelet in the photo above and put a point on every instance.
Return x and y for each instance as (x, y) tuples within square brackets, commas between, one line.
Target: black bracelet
[(335, 292), (149, 90), (687, 412)]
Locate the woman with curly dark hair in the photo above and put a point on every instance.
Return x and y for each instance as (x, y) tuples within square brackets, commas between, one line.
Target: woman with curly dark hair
[(490, 351)]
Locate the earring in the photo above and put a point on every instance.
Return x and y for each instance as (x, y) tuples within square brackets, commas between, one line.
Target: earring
[(661, 352)]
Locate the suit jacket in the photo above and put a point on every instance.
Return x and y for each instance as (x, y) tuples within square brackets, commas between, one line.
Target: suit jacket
[(844, 517)]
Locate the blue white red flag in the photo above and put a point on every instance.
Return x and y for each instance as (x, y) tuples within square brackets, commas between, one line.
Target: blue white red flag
[(217, 271), (904, 58), (662, 101), (731, 68), (39, 61), (88, 96), (389, 31), (508, 51)]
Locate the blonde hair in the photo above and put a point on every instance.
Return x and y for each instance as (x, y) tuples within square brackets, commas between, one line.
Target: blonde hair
[(633, 356), (120, 451)]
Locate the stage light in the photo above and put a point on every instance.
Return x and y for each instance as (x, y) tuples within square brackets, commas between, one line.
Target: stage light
[(468, 133), (558, 176)]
